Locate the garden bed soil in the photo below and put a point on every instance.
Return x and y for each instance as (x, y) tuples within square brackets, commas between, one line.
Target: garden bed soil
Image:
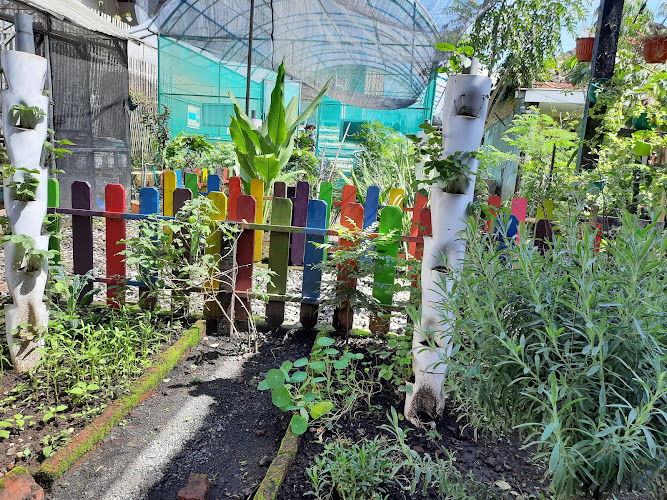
[(34, 404), (206, 417), (501, 464), (489, 460)]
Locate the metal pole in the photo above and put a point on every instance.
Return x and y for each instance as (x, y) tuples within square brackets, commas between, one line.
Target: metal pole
[(247, 83), (602, 67)]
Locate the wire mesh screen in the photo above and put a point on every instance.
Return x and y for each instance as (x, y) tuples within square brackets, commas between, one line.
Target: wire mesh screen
[(89, 87), (379, 53)]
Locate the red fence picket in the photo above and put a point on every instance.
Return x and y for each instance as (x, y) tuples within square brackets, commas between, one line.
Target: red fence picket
[(114, 199)]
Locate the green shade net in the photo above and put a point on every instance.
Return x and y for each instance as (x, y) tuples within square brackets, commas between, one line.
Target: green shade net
[(378, 53)]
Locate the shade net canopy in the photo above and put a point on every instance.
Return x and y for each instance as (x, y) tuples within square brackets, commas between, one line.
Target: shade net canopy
[(379, 54)]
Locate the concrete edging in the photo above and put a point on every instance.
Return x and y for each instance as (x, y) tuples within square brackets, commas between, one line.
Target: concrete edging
[(86, 440)]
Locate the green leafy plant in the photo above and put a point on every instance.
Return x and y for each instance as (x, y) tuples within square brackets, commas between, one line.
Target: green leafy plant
[(27, 332), (26, 189), (54, 150), (451, 173), (186, 151), (67, 289), (569, 347), (459, 59), (32, 257), (27, 117), (18, 422), (54, 412), (263, 152), (51, 444), (171, 255), (82, 393), (302, 386)]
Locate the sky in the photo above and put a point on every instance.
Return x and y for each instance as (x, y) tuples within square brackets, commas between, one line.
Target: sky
[(568, 40)]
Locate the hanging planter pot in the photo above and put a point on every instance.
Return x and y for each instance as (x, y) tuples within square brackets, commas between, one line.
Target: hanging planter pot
[(595, 87), (584, 49), (655, 49), (644, 122)]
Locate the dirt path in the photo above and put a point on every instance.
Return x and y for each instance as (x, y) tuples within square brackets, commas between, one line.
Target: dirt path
[(206, 417)]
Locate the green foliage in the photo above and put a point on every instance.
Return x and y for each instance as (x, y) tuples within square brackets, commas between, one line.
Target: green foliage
[(450, 173), (303, 163), (459, 59), (570, 347), (99, 357), (372, 468), (543, 175), (220, 155), (32, 257), (27, 117), (637, 92), (263, 152), (26, 189), (395, 361), (303, 386), (520, 39), (50, 444), (171, 255), (186, 151), (18, 422), (66, 290), (54, 412), (386, 160), (157, 130), (361, 260)]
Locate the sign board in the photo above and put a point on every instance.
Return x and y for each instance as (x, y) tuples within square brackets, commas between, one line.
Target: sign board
[(194, 117)]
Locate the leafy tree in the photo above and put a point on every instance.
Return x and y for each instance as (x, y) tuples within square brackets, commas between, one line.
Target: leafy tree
[(520, 39)]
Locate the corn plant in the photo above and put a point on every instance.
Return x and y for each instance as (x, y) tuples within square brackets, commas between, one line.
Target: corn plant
[(570, 348)]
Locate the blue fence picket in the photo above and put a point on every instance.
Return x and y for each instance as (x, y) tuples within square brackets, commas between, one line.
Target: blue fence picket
[(212, 184), (312, 276), (371, 206), (149, 203)]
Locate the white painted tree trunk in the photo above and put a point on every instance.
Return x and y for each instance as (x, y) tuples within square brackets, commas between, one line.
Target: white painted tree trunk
[(466, 101), (25, 74)]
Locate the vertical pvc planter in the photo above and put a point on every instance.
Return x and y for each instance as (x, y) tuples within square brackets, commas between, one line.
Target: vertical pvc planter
[(26, 74), (466, 102)]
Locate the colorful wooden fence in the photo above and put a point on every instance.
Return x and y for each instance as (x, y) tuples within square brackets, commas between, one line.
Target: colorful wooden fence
[(299, 221)]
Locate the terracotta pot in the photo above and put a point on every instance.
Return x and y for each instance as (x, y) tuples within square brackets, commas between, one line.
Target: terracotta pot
[(655, 49), (584, 49)]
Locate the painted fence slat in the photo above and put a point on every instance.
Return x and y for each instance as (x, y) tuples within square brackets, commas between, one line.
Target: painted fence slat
[(192, 183), (326, 195), (371, 206), (181, 197), (545, 206), (494, 201), (543, 235), (170, 185), (313, 256), (82, 232), (279, 190), (245, 210), (299, 218), (213, 184), (233, 196), (424, 228), (149, 203), (179, 178), (114, 199), (506, 238), (257, 192), (396, 197), (281, 214), (352, 218), (420, 204), (211, 309), (53, 201), (204, 179), (349, 195), (391, 219), (519, 208)]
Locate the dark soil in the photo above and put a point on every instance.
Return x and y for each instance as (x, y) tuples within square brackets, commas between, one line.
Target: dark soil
[(243, 428), (504, 469), (18, 398), (489, 460), (158, 447)]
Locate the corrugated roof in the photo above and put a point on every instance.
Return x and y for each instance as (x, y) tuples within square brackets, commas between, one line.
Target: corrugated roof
[(79, 14)]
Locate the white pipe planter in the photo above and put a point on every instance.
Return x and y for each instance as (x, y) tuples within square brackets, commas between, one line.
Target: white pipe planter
[(466, 102), (26, 74)]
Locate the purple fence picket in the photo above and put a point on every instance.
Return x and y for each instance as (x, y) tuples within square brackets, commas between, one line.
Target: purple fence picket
[(299, 218), (82, 232)]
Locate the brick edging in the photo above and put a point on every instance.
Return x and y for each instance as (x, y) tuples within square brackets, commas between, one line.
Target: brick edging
[(86, 440)]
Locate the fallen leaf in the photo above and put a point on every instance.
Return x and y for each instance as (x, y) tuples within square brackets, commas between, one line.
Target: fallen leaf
[(503, 485)]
